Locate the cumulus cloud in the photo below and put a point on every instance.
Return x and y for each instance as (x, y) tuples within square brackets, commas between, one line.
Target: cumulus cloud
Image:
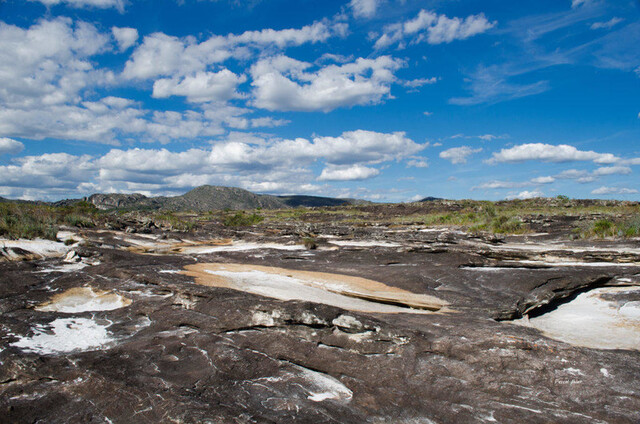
[(247, 161), (165, 55), (458, 155), (201, 87), (125, 37), (614, 190), (549, 153), (496, 184), (100, 4), (543, 180), (347, 173), (364, 8), (580, 176), (418, 162), (526, 195), (111, 118), (434, 29), (48, 63), (10, 146), (612, 170), (282, 83), (51, 170)]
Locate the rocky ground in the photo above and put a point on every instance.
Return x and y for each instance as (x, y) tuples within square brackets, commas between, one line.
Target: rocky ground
[(326, 323)]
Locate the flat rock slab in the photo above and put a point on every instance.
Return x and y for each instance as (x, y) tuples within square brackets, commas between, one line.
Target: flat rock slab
[(352, 293), (131, 337)]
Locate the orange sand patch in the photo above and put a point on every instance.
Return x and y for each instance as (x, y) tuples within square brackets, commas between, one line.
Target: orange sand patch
[(345, 291)]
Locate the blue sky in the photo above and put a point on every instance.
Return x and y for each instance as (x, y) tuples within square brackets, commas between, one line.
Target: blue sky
[(387, 100)]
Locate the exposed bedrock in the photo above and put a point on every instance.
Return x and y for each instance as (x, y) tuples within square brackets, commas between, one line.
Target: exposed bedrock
[(551, 293), (130, 337)]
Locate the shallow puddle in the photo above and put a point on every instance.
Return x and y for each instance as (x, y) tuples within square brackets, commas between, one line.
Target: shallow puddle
[(84, 299), (593, 319), (352, 293)]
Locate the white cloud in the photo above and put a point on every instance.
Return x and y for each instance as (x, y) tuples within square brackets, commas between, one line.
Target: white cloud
[(164, 55), (571, 174), (268, 122), (576, 3), (51, 170), (549, 153), (526, 195), (347, 173), (614, 190), (607, 24), (243, 160), (100, 4), (125, 37), (433, 28), (491, 85), (419, 82), (489, 137), (427, 113), (201, 87), (48, 63), (281, 83), (632, 161), (109, 119), (493, 185), (543, 180), (611, 170), (483, 137), (10, 146), (364, 8), (458, 155), (418, 162), (355, 146)]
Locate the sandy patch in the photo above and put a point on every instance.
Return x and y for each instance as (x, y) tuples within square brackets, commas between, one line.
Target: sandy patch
[(204, 247), (591, 321), (352, 293), (84, 299)]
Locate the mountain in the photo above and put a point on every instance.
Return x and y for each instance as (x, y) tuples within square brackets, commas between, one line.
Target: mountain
[(312, 201), (208, 197)]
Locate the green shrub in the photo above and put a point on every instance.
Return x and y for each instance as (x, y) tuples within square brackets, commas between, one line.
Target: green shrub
[(489, 210), (176, 223), (631, 228), (79, 221), (310, 243), (603, 228), (20, 220), (241, 219), (503, 224)]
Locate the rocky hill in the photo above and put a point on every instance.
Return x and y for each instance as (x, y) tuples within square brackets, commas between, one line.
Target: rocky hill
[(208, 197)]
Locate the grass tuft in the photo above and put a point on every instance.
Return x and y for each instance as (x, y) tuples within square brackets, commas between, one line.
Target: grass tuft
[(241, 219)]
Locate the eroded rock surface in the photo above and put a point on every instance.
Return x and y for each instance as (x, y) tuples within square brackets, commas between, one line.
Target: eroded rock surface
[(129, 336)]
